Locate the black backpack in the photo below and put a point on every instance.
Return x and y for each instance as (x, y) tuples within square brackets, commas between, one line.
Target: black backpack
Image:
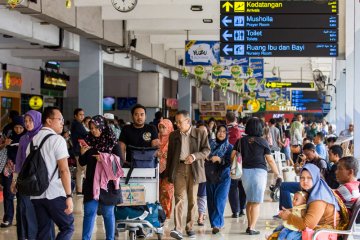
[(33, 178)]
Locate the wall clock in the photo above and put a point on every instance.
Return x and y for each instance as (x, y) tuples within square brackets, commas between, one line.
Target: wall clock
[(124, 5)]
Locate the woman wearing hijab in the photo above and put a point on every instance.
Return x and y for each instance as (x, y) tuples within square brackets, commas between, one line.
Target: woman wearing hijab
[(322, 205), (101, 139), (26, 223), (165, 127), (12, 144), (217, 170)]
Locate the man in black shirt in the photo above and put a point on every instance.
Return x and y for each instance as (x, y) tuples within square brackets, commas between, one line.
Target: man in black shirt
[(311, 156), (335, 153), (138, 134), (77, 132)]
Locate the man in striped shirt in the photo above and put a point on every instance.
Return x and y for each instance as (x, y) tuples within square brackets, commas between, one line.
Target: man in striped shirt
[(346, 172)]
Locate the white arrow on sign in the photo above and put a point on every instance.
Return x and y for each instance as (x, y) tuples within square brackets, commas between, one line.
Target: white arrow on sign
[(225, 21), (227, 35), (226, 49)]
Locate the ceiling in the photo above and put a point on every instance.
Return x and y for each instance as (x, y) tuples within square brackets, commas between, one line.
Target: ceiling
[(170, 23), (174, 22)]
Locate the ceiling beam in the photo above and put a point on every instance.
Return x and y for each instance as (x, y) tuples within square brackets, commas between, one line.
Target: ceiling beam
[(162, 12)]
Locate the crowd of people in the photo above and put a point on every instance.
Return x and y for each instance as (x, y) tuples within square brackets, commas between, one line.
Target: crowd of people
[(195, 160)]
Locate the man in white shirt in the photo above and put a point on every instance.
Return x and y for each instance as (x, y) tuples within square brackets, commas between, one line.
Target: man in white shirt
[(56, 202)]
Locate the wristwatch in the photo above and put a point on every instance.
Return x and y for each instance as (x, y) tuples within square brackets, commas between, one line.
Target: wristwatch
[(69, 196)]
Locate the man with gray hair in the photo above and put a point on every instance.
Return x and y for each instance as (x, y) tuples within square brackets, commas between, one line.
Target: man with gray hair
[(187, 151)]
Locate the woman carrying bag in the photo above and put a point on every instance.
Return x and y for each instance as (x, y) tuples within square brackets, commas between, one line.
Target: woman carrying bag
[(217, 170), (101, 154), (26, 222)]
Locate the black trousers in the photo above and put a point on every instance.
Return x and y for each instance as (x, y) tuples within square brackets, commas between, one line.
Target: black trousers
[(237, 196)]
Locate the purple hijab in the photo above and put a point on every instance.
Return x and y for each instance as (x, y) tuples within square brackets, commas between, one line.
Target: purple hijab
[(26, 139)]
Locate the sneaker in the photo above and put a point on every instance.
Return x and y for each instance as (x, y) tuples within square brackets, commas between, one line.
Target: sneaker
[(191, 233), (241, 213), (235, 215), (175, 234), (277, 217), (5, 224), (254, 232)]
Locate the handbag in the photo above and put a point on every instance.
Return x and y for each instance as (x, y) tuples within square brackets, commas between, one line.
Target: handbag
[(295, 149), (141, 157), (236, 165), (112, 196), (308, 233), (3, 158)]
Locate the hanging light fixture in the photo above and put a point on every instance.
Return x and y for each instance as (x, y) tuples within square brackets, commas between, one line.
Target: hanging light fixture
[(68, 4)]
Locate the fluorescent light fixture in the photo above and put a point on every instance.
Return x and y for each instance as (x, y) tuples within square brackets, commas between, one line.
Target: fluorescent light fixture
[(196, 8), (207, 20)]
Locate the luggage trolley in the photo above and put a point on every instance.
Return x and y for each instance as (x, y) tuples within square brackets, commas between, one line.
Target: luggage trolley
[(149, 178), (280, 159)]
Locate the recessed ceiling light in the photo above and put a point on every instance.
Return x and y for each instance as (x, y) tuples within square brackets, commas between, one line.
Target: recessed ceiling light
[(207, 20), (196, 8)]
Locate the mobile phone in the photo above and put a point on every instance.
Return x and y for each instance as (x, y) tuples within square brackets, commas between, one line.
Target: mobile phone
[(82, 143)]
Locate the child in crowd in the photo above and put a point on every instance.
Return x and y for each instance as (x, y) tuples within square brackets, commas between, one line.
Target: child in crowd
[(299, 209), (346, 172), (286, 148)]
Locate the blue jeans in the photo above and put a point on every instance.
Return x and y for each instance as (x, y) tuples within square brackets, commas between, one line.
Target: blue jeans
[(286, 188), (237, 196), (90, 209), (8, 198), (217, 194), (287, 234), (26, 222), (47, 210)]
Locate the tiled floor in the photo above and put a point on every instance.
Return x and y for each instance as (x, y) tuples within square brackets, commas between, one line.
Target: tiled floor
[(234, 228)]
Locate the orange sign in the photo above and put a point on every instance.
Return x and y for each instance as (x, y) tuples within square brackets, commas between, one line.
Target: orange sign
[(12, 81)]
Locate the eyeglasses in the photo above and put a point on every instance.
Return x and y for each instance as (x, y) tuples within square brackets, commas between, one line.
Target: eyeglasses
[(181, 122), (60, 119)]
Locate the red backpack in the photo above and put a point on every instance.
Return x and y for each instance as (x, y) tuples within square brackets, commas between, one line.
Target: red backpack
[(234, 134)]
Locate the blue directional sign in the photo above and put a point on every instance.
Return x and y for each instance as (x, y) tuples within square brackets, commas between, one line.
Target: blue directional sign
[(278, 35), (291, 21), (306, 100), (279, 28), (278, 50)]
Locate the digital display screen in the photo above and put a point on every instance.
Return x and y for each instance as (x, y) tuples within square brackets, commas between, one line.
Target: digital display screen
[(109, 103), (306, 100), (124, 103)]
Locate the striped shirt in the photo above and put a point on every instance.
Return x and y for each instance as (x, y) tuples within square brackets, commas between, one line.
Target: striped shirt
[(349, 193)]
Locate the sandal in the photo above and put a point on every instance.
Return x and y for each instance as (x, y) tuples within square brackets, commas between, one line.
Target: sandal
[(200, 220)]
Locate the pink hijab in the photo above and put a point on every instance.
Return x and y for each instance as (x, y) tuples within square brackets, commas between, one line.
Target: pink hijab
[(164, 141)]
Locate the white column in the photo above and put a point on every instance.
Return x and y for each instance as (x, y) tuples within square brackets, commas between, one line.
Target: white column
[(184, 94), (91, 82), (340, 95), (349, 56), (357, 80)]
